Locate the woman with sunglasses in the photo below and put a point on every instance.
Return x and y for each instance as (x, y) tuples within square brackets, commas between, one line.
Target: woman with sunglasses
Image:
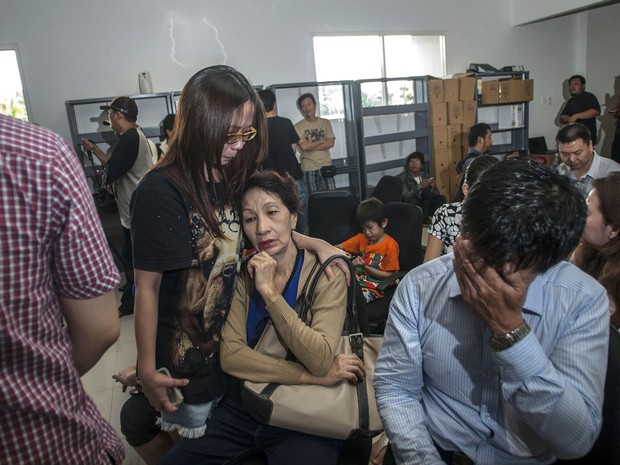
[(187, 244)]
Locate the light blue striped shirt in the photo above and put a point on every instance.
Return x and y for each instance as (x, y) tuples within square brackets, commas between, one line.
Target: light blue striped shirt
[(599, 168), (437, 378)]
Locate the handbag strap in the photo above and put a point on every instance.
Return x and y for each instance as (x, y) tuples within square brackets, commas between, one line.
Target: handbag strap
[(351, 324), (351, 329), (300, 301)]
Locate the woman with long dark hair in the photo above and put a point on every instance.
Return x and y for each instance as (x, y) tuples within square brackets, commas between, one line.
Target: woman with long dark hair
[(598, 254), (188, 243)]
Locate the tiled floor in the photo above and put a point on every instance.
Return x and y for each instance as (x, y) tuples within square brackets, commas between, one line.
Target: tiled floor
[(107, 393)]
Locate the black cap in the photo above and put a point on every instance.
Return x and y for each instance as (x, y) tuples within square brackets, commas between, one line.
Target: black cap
[(124, 105)]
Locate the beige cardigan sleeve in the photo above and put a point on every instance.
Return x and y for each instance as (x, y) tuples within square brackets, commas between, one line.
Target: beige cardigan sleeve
[(314, 346)]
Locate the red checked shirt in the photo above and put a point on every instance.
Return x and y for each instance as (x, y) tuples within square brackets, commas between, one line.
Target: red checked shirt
[(51, 244)]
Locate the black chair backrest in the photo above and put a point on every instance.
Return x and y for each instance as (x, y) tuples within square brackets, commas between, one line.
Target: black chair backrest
[(331, 215), (405, 226), (389, 189)]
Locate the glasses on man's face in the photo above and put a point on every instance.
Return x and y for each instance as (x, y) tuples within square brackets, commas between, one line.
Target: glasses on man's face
[(235, 137)]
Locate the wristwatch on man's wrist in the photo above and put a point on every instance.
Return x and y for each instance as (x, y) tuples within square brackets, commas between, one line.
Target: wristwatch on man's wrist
[(501, 342)]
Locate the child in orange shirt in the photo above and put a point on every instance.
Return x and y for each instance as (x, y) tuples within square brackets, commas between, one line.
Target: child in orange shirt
[(375, 252)]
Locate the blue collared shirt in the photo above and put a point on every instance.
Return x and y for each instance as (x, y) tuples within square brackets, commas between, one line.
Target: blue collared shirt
[(437, 378)]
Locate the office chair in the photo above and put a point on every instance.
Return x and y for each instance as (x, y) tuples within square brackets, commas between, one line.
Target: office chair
[(331, 215), (405, 226), (389, 189), (606, 449)]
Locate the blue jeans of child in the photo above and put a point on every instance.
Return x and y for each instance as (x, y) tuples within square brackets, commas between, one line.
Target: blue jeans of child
[(232, 436)]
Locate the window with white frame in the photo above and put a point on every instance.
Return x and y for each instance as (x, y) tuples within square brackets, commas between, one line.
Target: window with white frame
[(358, 57), (12, 98)]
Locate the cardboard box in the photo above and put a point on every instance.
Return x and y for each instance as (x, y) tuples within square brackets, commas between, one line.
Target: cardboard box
[(441, 158), (516, 90), (490, 92), (467, 89), (456, 153), (435, 91), (508, 89), (470, 113), (455, 112), (439, 136), (528, 85), (451, 90), (454, 182), (454, 135), (464, 134), (441, 171), (439, 114), (523, 90)]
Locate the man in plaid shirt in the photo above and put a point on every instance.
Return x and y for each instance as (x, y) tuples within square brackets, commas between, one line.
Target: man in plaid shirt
[(55, 265)]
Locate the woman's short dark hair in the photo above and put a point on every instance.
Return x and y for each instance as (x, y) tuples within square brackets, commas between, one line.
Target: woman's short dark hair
[(603, 263), (412, 155), (472, 173), (371, 209), (283, 187), (477, 167)]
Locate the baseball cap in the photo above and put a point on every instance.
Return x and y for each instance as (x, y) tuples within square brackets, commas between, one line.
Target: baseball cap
[(124, 105)]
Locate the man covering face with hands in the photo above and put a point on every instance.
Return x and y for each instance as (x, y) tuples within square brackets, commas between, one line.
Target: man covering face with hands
[(497, 353)]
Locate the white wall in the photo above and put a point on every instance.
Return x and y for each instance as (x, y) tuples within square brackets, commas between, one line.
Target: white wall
[(526, 11), (552, 51), (73, 49), (603, 68)]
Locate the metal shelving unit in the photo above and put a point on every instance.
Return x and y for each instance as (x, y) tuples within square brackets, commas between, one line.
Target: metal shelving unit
[(86, 121), (509, 121), (377, 123)]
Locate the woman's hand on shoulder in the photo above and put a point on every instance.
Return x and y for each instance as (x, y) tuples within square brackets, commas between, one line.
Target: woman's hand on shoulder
[(344, 366), (326, 250), (323, 250), (262, 269)]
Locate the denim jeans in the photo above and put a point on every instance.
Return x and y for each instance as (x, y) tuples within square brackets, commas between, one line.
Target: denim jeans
[(232, 436), (302, 221)]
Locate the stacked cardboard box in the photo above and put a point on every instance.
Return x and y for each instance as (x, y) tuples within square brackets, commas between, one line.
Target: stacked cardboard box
[(453, 111), (508, 90)]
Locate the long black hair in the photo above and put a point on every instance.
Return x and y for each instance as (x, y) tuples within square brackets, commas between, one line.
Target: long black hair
[(209, 102)]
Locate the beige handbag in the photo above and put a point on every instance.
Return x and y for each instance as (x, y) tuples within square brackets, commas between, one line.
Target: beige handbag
[(339, 411)]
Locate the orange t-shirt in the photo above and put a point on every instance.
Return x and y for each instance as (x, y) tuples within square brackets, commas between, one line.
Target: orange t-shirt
[(382, 256)]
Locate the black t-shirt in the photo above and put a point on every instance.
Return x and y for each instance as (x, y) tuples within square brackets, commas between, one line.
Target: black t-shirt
[(124, 156), (198, 278), (280, 156), (582, 102)]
